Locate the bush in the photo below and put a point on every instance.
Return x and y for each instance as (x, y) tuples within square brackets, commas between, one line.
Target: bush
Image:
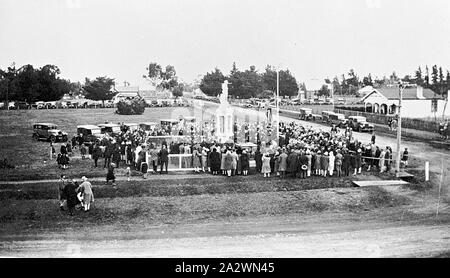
[(134, 106)]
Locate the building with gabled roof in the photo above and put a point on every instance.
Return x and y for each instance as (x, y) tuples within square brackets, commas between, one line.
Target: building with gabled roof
[(417, 102)]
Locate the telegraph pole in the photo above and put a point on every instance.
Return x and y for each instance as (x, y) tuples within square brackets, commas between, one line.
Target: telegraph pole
[(278, 107), (399, 129)]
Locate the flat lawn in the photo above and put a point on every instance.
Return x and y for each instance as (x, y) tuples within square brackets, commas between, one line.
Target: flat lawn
[(16, 131), (25, 216)]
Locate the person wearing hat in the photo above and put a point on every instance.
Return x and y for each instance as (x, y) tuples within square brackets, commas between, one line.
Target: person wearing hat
[(357, 162), (215, 160), (324, 162), (338, 163), (228, 163), (266, 165), (245, 165), (331, 163), (88, 195), (282, 163), (317, 165), (61, 196), (346, 161), (70, 192), (204, 155), (110, 174), (309, 165)]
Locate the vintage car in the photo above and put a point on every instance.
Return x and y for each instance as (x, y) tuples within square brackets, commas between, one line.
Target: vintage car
[(326, 116), (360, 124), (38, 105), (90, 133), (129, 126), (50, 105), (339, 120), (110, 129), (22, 105), (148, 126), (305, 114), (48, 131)]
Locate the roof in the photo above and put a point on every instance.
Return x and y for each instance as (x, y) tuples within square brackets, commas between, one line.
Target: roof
[(127, 94), (130, 124), (169, 120), (149, 123), (408, 93), (314, 84), (108, 125), (121, 89), (392, 93), (88, 126), (44, 124)]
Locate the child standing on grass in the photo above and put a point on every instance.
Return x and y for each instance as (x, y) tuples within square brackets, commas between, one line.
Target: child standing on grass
[(83, 151), (128, 173)]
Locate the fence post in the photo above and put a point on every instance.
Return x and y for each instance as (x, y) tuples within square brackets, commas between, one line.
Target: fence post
[(427, 171)]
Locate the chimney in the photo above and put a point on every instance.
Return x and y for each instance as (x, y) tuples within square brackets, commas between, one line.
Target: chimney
[(420, 92)]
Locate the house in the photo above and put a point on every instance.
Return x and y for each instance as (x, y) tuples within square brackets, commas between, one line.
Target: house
[(313, 87), (150, 96), (417, 102), (364, 91), (125, 92)]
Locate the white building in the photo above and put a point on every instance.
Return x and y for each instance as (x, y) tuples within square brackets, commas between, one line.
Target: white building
[(125, 92), (417, 102)]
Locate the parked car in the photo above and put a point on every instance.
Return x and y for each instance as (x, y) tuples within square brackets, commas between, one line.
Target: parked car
[(90, 133), (339, 120), (72, 104), (110, 129), (326, 116), (11, 105), (360, 124), (63, 105), (48, 131), (340, 101), (22, 105), (129, 126), (50, 105), (305, 114), (38, 105)]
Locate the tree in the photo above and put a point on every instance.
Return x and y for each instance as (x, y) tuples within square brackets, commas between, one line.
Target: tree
[(337, 89), (99, 89), (211, 83), (418, 76), (30, 84), (287, 83), (324, 91), (367, 80), (162, 79), (427, 77), (178, 90)]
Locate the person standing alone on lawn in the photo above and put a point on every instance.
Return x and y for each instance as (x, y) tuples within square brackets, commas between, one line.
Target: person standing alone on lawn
[(70, 192), (88, 195)]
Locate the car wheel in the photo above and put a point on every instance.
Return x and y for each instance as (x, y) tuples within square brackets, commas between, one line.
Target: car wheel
[(52, 139), (35, 136), (64, 139)]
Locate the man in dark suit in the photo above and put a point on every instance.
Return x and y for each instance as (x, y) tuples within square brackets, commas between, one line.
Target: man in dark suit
[(164, 157)]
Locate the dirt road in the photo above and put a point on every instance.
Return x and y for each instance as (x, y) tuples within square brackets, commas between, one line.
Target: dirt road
[(285, 236)]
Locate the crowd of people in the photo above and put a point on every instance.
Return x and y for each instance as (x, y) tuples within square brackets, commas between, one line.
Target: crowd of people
[(300, 152)]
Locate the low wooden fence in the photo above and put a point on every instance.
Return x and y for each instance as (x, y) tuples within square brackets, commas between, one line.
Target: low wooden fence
[(418, 124)]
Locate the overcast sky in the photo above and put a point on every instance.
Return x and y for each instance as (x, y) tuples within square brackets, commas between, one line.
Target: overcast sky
[(314, 39)]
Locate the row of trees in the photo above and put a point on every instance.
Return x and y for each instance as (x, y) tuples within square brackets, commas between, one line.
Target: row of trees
[(30, 84), (250, 83), (350, 84), (44, 84)]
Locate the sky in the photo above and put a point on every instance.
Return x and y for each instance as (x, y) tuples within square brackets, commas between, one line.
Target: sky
[(313, 39)]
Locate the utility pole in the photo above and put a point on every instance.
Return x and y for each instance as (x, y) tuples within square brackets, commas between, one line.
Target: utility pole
[(278, 107), (399, 129)]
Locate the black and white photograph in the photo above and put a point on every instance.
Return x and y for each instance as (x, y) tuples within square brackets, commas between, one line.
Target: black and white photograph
[(190, 129)]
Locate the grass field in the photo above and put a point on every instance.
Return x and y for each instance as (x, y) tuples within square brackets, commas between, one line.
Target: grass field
[(32, 156)]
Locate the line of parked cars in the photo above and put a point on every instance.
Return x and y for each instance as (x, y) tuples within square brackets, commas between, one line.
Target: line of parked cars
[(22, 105), (356, 123)]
